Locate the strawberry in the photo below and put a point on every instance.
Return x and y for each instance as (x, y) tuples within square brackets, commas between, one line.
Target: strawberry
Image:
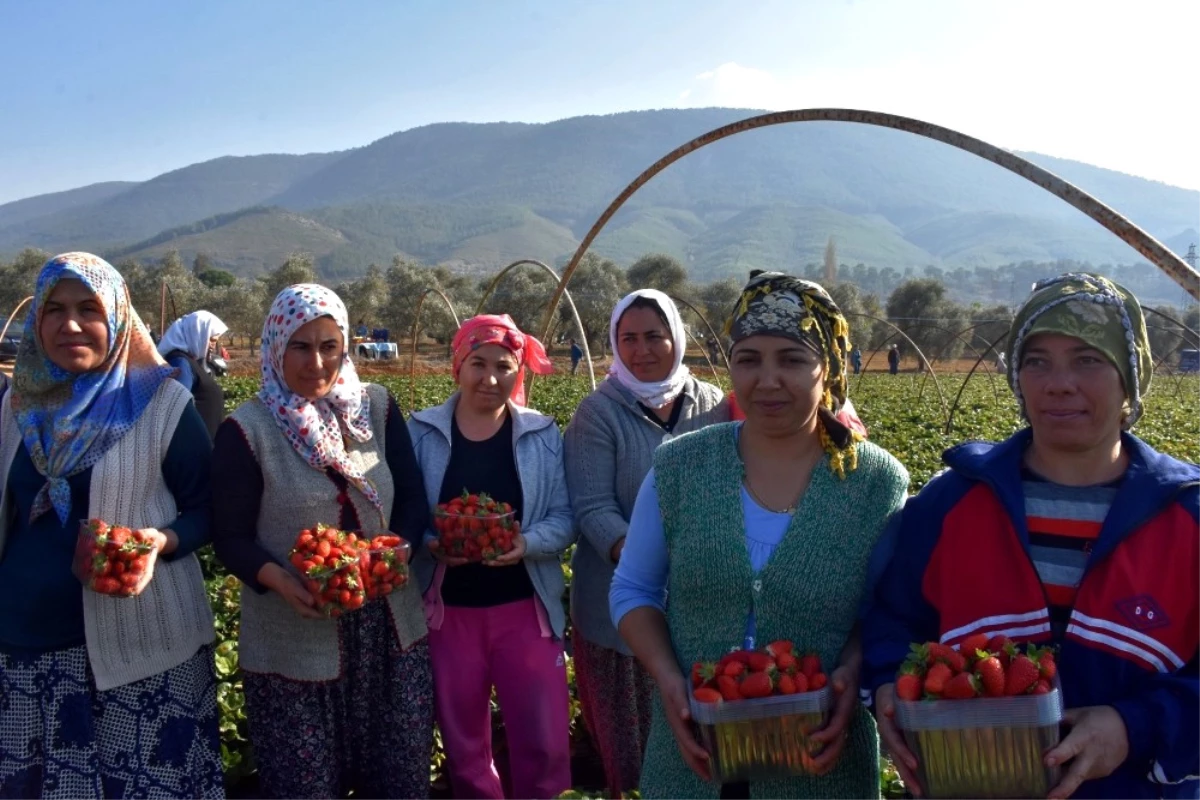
[(705, 695), (728, 687), (947, 655), (787, 685), (937, 677), (908, 687), (1041, 687), (1044, 656), (760, 662), (973, 643), (962, 686), (780, 647), (799, 681), (734, 669), (999, 645), (991, 675), (702, 673), (810, 664), (786, 662), (757, 684), (817, 682), (1023, 674)]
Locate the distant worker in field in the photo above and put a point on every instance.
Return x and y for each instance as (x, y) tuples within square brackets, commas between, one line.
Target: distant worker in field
[(856, 359), (894, 359), (361, 331), (576, 355)]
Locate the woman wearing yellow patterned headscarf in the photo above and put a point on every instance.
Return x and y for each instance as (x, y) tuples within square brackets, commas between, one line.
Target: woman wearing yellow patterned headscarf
[(776, 516)]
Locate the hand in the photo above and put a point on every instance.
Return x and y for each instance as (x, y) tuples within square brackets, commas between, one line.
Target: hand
[(435, 548), (617, 549), (1097, 744), (893, 740), (844, 681), (512, 556), (287, 586), (164, 541), (674, 692)]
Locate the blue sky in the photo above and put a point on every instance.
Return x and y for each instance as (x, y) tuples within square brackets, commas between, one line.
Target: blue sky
[(128, 89)]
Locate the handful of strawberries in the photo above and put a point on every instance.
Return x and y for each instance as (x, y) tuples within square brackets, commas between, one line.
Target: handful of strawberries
[(475, 527), (751, 674), (981, 666), (343, 569), (113, 560)]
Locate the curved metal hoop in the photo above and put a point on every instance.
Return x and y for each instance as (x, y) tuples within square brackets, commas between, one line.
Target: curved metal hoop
[(966, 380), (416, 329), (14, 313), (1175, 267), (928, 367), (989, 371), (559, 291), (711, 332)]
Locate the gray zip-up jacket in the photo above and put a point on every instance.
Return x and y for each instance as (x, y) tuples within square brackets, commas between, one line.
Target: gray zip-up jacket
[(546, 520)]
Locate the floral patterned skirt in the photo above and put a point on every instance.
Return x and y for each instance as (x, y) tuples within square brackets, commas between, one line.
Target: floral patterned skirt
[(370, 730), (60, 737), (615, 696)]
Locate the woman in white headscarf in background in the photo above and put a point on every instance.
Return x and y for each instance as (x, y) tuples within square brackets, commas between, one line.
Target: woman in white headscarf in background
[(649, 396), (189, 345)]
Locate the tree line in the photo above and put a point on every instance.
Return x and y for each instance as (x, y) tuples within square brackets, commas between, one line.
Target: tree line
[(922, 308)]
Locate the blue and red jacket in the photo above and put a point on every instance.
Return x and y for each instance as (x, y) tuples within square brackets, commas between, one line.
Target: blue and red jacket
[(957, 561)]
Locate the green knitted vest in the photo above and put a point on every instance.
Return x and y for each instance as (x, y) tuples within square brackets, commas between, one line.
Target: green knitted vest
[(808, 592)]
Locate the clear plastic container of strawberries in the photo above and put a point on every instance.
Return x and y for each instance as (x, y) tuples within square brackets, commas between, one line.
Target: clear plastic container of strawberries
[(755, 709), (476, 527), (113, 560), (330, 565), (384, 564), (979, 717)]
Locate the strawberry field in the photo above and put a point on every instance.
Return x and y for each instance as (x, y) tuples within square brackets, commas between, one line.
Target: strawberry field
[(906, 414)]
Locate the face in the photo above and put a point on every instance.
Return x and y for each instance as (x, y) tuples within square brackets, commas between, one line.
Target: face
[(644, 345), (74, 327), (213, 343), (1073, 394), (487, 378), (313, 358), (779, 383)]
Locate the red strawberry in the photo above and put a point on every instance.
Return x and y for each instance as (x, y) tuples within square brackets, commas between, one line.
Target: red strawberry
[(810, 665), (817, 682), (787, 685), (786, 662), (757, 684), (1023, 675), (780, 647), (706, 695), (971, 644), (800, 682), (947, 655), (734, 669), (702, 673), (937, 677), (1041, 687), (760, 662), (962, 686), (908, 687), (999, 644), (1044, 656), (728, 687), (991, 675)]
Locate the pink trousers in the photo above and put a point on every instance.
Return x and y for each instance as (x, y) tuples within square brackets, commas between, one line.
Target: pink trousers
[(503, 646)]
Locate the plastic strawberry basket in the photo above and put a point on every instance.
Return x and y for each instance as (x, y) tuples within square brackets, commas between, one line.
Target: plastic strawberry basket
[(984, 747), (767, 737), (475, 537)]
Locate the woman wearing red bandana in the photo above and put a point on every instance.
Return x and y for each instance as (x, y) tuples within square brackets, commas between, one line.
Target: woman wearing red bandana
[(498, 624)]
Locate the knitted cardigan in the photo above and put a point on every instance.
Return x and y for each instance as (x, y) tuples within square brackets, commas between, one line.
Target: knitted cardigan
[(808, 592), (132, 638), (273, 638), (608, 448)]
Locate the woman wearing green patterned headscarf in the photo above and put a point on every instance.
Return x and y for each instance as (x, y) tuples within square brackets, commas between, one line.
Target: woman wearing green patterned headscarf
[(760, 530), (1072, 533)]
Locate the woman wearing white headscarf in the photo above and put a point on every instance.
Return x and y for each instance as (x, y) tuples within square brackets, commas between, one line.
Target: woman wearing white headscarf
[(188, 346), (332, 704), (648, 397)]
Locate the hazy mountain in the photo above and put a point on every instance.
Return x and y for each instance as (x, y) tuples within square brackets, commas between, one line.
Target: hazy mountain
[(481, 195)]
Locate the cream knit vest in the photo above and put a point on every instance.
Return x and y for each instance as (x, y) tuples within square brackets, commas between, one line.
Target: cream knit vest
[(132, 638), (273, 638)]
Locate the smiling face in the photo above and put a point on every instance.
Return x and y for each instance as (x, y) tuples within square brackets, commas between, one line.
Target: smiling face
[(779, 383), (644, 344), (1073, 394), (487, 378), (73, 328), (313, 358)]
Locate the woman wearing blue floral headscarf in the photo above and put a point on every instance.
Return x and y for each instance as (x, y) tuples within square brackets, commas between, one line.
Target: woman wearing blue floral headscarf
[(101, 696)]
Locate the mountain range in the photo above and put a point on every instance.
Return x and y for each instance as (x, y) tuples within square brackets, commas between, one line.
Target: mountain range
[(477, 196)]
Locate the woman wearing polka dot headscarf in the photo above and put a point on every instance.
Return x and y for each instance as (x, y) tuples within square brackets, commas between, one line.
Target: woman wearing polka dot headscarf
[(333, 704)]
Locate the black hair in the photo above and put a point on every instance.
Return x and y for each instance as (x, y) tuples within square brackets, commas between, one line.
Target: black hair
[(646, 302)]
